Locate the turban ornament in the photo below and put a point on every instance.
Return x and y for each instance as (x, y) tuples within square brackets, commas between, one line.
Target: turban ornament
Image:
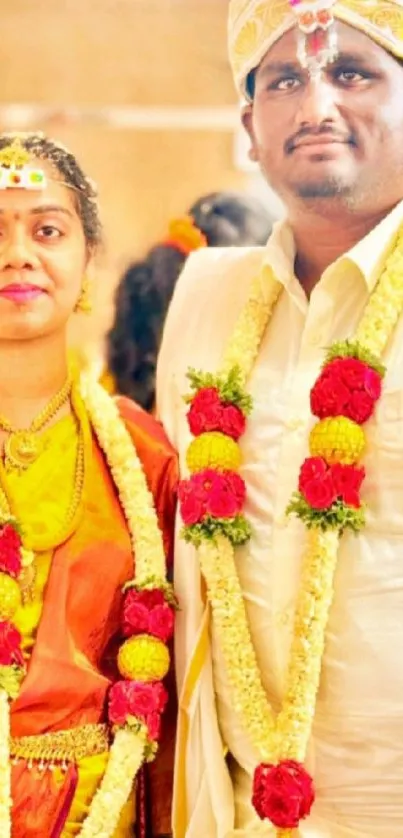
[(317, 37)]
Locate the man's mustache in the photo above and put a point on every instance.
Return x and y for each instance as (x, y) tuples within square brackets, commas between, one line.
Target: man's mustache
[(330, 134)]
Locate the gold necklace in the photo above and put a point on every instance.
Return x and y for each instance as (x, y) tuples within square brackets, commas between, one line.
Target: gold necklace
[(27, 577), (23, 447)]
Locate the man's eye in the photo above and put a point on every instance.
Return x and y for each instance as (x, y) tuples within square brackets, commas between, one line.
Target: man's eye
[(286, 83), (351, 76)]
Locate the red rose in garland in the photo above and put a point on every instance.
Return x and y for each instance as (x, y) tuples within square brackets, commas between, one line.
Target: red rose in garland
[(147, 698), (192, 498), (357, 375), (209, 492), (226, 495), (321, 484), (10, 551), (144, 701), (10, 645), (233, 421), (119, 702), (283, 793), (154, 726), (347, 482), (361, 407), (147, 612), (149, 598), (346, 387), (135, 616), (237, 486), (316, 483), (329, 396), (208, 412), (161, 622), (205, 411)]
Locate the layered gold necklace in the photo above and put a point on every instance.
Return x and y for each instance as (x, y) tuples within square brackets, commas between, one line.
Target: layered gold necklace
[(27, 577), (23, 447)]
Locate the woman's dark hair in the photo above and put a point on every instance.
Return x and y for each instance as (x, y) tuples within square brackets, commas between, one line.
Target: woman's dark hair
[(70, 173), (145, 291)]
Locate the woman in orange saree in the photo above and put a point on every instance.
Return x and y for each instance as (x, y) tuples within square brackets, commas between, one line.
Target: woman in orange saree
[(87, 491)]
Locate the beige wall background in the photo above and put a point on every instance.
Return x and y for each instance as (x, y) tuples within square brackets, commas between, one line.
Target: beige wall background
[(99, 74)]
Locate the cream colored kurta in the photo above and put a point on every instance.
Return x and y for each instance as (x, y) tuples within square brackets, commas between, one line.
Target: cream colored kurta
[(356, 752)]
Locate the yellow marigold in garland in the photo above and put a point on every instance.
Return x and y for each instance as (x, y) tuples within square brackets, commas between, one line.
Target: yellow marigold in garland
[(337, 440), (213, 450), (143, 658), (10, 596)]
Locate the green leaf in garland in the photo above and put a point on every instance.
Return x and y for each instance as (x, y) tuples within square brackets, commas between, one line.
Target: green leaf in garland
[(152, 583), (353, 349), (339, 516), (230, 387), (237, 530)]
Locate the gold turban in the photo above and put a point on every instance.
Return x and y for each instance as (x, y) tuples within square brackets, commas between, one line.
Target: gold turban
[(255, 25)]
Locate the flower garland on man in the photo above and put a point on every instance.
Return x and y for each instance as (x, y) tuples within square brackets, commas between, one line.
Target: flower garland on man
[(272, 674)]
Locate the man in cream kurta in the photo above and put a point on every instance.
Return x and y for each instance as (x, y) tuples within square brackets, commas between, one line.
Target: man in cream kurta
[(355, 753)]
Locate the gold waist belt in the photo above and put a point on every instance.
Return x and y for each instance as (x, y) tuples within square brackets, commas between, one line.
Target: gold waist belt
[(61, 747)]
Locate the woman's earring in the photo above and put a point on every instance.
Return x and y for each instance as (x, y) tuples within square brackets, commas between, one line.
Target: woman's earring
[(83, 303)]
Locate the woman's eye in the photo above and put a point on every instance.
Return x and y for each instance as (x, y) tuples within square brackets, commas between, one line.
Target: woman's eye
[(48, 231)]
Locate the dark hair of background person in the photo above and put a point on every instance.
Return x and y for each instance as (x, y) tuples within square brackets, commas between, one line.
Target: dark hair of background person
[(143, 295)]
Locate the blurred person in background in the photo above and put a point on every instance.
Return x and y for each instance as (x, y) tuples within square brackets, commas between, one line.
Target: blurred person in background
[(86, 508), (221, 219)]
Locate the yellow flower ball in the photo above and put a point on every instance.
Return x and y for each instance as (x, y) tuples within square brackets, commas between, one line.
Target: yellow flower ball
[(337, 440), (143, 658), (213, 450), (10, 596)]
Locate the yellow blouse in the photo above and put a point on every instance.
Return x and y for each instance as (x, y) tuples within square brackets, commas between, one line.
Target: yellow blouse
[(40, 498)]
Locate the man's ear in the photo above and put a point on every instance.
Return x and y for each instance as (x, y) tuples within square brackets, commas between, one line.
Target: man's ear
[(246, 117)]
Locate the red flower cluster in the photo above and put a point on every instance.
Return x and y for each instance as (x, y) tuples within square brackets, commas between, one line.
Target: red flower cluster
[(10, 645), (283, 793), (211, 493), (10, 551), (147, 612), (145, 701), (321, 484), (208, 412), (346, 387)]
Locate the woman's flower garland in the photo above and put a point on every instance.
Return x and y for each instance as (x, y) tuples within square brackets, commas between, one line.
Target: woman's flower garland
[(137, 702), (328, 501)]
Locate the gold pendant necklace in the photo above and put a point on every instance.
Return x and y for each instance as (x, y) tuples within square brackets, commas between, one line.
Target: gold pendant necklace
[(23, 447), (27, 578)]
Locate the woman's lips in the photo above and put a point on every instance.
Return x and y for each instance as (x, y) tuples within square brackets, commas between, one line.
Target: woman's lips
[(21, 293)]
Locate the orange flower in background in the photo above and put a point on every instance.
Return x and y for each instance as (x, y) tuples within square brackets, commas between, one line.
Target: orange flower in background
[(184, 235)]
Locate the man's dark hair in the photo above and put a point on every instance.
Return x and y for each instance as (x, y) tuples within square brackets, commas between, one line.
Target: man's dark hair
[(250, 85)]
